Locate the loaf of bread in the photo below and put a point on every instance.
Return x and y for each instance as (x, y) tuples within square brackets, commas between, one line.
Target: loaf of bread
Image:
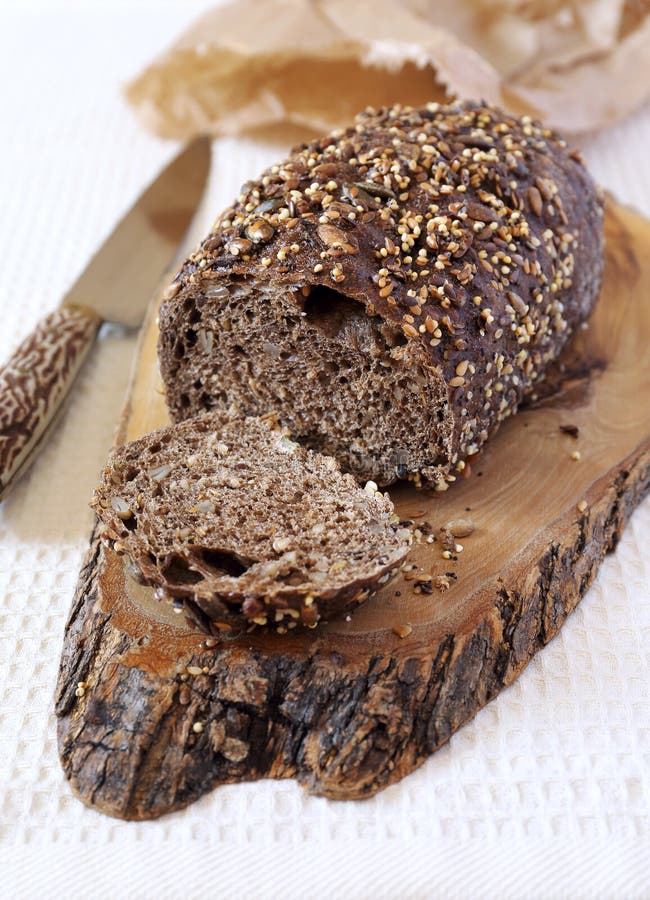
[(391, 291), (243, 525)]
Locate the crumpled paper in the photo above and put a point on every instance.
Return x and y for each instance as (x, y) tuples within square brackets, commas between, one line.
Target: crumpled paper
[(254, 65)]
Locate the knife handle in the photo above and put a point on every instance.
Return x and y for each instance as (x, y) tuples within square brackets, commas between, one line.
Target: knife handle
[(35, 382)]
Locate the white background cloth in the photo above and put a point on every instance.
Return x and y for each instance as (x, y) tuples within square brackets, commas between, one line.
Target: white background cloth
[(545, 794)]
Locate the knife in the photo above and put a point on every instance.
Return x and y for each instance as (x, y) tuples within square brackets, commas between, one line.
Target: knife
[(116, 286)]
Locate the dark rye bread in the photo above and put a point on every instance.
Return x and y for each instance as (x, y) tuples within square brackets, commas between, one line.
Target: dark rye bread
[(245, 525), (391, 291)]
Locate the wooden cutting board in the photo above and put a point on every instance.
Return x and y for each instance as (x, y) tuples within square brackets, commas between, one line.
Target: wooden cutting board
[(151, 716)]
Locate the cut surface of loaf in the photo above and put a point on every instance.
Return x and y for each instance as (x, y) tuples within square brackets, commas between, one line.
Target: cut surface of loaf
[(246, 525), (391, 291)]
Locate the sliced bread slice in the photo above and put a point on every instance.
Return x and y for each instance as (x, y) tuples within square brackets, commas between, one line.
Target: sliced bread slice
[(245, 526)]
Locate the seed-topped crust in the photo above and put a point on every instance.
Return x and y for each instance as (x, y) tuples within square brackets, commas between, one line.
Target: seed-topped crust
[(476, 234)]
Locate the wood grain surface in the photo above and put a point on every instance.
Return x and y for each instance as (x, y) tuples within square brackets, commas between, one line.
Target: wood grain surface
[(152, 714)]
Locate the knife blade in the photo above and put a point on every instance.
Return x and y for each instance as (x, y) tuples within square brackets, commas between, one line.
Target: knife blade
[(115, 286)]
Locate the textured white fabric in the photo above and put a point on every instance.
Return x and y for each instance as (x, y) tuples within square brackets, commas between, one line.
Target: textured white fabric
[(545, 794)]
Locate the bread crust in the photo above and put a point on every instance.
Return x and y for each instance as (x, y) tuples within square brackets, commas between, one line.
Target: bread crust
[(475, 233)]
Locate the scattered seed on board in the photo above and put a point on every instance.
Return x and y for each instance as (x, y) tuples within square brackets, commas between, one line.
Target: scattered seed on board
[(402, 631), (441, 582), (460, 528)]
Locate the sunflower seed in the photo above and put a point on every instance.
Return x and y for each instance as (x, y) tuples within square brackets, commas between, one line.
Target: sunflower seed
[(259, 231), (121, 507), (159, 472)]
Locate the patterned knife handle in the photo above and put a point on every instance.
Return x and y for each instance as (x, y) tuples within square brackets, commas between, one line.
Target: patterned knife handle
[(35, 382)]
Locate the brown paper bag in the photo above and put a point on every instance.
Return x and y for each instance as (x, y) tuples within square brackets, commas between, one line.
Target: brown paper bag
[(257, 64)]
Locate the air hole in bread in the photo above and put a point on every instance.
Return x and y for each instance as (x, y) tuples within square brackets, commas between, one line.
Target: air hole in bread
[(177, 571), (392, 336), (330, 311), (224, 562)]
